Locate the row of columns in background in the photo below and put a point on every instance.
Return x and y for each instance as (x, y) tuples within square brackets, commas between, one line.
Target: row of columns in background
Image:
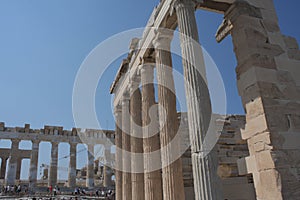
[(14, 165), (168, 185), (165, 184)]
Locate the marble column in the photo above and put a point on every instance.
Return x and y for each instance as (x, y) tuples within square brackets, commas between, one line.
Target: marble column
[(153, 179), (137, 162), (19, 164), (34, 157), (173, 188), (52, 179), (90, 167), (3, 167), (106, 169), (126, 184), (12, 165), (198, 102), (72, 166), (118, 155)]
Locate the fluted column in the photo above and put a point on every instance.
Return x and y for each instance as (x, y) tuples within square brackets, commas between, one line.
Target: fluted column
[(173, 188), (153, 179), (137, 162), (126, 184), (198, 101), (90, 167), (72, 166), (106, 168), (118, 155), (33, 164), (12, 165), (52, 180), (3, 167), (18, 173)]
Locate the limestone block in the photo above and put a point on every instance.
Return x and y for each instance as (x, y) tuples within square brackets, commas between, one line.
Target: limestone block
[(291, 66), (255, 60), (254, 108), (226, 134), (264, 90), (294, 54), (291, 140), (256, 74), (240, 147), (285, 78), (269, 14), (272, 179), (251, 164), (20, 129), (260, 142), (278, 121), (254, 126), (247, 165), (238, 153), (250, 48), (238, 191), (266, 4), (264, 160), (290, 42), (227, 160), (276, 38), (255, 35), (242, 166), (271, 25)]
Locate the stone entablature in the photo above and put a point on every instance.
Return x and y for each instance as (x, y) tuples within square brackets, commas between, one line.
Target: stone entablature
[(61, 135)]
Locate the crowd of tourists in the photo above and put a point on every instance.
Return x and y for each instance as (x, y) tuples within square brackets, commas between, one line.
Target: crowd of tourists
[(107, 194), (13, 189)]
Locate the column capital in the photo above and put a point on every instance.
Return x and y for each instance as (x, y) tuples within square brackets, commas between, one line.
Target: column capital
[(73, 144), (186, 3), (163, 38), (148, 60), (34, 141), (15, 141), (146, 68), (54, 143)]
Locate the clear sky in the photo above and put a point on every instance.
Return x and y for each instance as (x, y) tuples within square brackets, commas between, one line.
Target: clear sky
[(43, 43)]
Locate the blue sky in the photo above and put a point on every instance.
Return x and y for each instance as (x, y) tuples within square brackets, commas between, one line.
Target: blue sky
[(43, 43)]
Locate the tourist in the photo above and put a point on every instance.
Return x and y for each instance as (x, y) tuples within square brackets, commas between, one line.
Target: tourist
[(76, 191), (50, 189), (12, 188), (19, 189)]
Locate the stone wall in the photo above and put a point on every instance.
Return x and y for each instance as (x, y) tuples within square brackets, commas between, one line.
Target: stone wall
[(230, 148)]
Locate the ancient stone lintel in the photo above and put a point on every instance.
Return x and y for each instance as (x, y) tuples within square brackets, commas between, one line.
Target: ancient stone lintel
[(241, 7)]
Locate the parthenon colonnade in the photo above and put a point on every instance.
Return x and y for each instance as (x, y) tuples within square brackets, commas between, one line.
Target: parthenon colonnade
[(54, 135), (268, 83)]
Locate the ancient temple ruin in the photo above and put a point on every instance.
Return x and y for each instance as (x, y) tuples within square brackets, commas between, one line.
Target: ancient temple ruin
[(268, 83), (55, 135)]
